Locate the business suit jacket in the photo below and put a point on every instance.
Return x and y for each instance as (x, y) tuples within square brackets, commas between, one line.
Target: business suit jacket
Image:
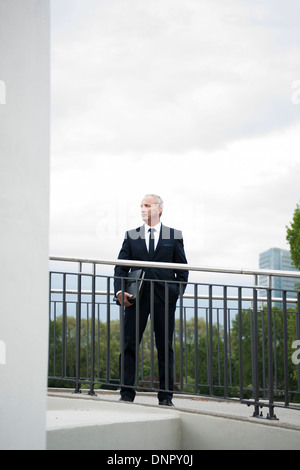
[(169, 249)]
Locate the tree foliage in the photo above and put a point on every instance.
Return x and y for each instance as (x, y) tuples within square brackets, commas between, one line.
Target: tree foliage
[(293, 237), (194, 372)]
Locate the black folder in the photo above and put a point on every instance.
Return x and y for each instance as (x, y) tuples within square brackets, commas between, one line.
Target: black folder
[(133, 285)]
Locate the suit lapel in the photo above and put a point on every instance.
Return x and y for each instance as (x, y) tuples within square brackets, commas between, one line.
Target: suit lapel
[(143, 242)]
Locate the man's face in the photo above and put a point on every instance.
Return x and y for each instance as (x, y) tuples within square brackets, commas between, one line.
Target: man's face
[(150, 211)]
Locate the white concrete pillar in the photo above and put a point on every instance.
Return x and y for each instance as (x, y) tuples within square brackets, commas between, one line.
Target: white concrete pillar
[(24, 214)]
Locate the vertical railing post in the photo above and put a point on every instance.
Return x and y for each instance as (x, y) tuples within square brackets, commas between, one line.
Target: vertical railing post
[(218, 347), (49, 333), (64, 331), (229, 349), (122, 335), (54, 338), (78, 331), (255, 356), (263, 351), (181, 338), (152, 333), (285, 349), (196, 338), (167, 360), (225, 342), (137, 334), (210, 349), (108, 331), (298, 334), (92, 380), (270, 356), (240, 323)]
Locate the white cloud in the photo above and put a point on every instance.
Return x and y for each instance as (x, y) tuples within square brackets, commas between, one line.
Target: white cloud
[(189, 99), (169, 76), (230, 204)]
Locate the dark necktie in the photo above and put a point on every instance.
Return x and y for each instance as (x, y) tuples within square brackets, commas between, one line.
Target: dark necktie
[(151, 243)]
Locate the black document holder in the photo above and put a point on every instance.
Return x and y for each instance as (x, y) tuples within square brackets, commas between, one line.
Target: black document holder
[(133, 285)]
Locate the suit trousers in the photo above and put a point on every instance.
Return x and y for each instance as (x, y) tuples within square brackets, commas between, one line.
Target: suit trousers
[(159, 331)]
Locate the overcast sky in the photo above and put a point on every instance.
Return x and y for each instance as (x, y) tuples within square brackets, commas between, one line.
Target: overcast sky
[(198, 101)]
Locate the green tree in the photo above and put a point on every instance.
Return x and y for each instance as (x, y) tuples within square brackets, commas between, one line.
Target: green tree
[(247, 329), (293, 237), (193, 349)]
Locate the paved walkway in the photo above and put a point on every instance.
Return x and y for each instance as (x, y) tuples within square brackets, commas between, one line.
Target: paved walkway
[(287, 418)]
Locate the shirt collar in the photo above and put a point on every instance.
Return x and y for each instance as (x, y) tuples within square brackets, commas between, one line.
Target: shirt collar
[(156, 227)]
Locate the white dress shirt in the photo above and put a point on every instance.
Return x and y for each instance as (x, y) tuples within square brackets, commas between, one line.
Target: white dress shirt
[(156, 232)]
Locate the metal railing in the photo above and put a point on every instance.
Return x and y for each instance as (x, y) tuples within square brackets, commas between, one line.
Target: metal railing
[(231, 341)]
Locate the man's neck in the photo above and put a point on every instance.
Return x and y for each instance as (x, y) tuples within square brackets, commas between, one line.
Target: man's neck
[(153, 224)]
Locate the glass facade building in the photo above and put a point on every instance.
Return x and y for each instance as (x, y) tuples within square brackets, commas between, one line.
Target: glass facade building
[(279, 260)]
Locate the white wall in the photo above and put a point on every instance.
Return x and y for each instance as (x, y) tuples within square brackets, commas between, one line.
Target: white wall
[(24, 212)]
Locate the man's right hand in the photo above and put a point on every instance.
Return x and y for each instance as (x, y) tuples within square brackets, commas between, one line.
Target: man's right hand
[(127, 296)]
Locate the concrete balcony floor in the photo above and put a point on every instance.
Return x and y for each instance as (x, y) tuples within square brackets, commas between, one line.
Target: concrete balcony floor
[(79, 421)]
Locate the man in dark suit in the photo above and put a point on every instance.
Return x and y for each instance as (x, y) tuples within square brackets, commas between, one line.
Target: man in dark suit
[(151, 242)]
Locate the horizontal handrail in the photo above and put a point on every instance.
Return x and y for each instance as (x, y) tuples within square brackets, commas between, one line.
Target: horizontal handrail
[(180, 266), (185, 296)]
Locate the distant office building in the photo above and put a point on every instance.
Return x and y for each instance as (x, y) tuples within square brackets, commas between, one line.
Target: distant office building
[(279, 260)]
